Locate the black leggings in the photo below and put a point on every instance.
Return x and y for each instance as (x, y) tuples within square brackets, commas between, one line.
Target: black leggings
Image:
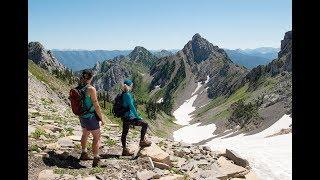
[(126, 126)]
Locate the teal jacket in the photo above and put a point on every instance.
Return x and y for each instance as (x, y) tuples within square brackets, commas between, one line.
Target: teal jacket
[(128, 101)]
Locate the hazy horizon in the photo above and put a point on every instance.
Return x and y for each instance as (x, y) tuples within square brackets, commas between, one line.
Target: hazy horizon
[(70, 49)]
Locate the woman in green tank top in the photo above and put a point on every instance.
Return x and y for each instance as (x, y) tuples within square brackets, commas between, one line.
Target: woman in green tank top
[(90, 120)]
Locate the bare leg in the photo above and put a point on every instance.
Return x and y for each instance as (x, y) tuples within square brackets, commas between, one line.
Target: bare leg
[(84, 139), (96, 142)]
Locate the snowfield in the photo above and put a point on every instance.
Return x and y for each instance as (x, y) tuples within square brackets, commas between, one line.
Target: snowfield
[(182, 114), (194, 133), (270, 158)]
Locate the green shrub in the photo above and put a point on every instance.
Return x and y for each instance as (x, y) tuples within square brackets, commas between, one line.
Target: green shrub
[(59, 171), (110, 142), (243, 113), (37, 133), (34, 147), (96, 170)]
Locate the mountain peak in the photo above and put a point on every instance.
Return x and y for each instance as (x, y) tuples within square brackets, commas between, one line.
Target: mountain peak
[(286, 44), (36, 45), (200, 49), (137, 50), (39, 55), (141, 54), (196, 36)]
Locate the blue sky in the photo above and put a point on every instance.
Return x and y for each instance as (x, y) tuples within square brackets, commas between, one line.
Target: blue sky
[(157, 24)]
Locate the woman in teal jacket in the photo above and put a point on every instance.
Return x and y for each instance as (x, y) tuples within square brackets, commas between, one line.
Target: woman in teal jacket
[(131, 117)]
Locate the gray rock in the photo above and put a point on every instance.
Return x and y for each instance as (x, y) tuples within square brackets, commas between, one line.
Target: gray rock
[(145, 175), (100, 177), (47, 175), (31, 130), (65, 142), (188, 166), (161, 165), (172, 177), (206, 148), (186, 151), (236, 158)]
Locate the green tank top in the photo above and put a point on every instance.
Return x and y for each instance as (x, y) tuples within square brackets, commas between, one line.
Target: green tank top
[(88, 104)]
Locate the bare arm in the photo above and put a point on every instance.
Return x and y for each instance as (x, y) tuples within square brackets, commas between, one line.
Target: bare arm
[(93, 95)]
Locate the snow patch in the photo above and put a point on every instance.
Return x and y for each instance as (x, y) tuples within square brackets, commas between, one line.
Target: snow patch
[(207, 80), (160, 100), (198, 87), (187, 134), (182, 114)]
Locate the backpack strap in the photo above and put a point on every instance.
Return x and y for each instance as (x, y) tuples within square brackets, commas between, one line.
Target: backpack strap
[(83, 90)]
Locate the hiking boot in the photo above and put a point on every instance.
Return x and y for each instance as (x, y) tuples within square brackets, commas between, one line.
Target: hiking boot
[(96, 162), (126, 152), (145, 143), (84, 156)]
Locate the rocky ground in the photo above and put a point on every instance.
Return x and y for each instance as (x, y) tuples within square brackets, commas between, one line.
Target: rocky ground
[(54, 137), (54, 154)]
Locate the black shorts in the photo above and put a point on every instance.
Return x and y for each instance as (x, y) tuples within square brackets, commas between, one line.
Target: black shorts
[(90, 123)]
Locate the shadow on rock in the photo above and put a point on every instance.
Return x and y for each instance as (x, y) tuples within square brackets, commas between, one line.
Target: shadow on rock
[(109, 156), (61, 161), (136, 156)]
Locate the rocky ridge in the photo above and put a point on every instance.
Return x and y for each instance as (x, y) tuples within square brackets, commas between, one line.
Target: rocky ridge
[(43, 58)]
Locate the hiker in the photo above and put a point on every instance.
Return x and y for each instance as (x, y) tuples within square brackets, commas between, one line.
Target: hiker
[(131, 117), (90, 120)]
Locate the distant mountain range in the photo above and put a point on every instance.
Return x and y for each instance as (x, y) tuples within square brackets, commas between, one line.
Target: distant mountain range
[(81, 59), (251, 58)]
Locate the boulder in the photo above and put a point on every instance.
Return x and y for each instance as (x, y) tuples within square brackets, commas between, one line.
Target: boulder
[(89, 178), (236, 158), (156, 154), (53, 146), (251, 176), (173, 177), (178, 162), (189, 166), (47, 174), (161, 165), (31, 130), (206, 148), (228, 169), (195, 151), (65, 142), (186, 151), (75, 138), (178, 153), (52, 128), (145, 175)]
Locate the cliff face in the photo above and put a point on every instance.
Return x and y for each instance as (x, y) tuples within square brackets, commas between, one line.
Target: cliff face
[(43, 58)]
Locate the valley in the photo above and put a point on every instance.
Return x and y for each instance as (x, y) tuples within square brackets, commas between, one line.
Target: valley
[(197, 97)]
